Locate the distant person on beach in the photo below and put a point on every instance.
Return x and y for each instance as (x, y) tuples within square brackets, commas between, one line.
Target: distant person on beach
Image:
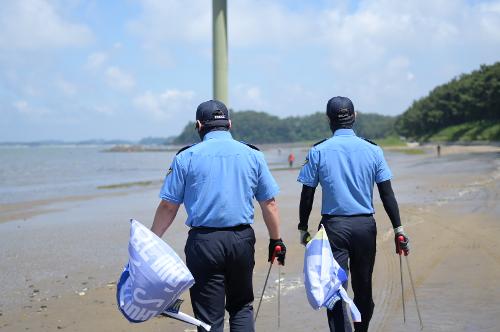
[(438, 150), (347, 167), (291, 159), (216, 180)]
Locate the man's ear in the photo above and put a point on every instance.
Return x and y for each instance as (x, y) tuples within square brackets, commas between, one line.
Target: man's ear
[(355, 114), (199, 125), (230, 124)]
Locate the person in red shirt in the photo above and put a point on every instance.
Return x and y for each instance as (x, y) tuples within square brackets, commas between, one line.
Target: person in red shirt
[(291, 159)]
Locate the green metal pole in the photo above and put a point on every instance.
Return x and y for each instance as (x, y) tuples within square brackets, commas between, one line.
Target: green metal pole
[(219, 50)]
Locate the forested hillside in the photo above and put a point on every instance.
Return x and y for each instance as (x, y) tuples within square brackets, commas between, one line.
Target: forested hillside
[(464, 109), (467, 108), (260, 127)]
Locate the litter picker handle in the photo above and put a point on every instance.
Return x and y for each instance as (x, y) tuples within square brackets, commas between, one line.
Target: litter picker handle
[(277, 250), (401, 239)]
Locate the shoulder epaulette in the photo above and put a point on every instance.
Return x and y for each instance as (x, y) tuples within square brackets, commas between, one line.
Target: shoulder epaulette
[(184, 148), (371, 142), (250, 146), (317, 143)]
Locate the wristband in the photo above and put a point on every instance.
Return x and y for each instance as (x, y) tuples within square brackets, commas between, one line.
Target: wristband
[(399, 229)]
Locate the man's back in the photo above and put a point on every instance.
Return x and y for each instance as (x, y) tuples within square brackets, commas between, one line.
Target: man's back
[(221, 177), (347, 167)]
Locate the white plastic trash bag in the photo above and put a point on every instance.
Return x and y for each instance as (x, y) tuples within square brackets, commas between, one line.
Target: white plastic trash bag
[(154, 277), (323, 276)]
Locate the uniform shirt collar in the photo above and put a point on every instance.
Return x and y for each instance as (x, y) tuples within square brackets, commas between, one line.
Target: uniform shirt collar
[(344, 132), (218, 134)]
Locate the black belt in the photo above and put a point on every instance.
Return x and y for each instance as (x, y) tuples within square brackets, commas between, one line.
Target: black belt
[(346, 216), (232, 228)]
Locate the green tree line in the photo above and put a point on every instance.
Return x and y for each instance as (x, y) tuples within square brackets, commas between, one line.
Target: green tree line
[(260, 127), (466, 108), (470, 98)]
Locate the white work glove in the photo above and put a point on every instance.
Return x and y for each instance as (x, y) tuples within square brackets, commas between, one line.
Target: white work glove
[(304, 237)]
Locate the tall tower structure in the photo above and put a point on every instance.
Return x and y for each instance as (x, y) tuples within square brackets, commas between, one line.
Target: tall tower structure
[(219, 50)]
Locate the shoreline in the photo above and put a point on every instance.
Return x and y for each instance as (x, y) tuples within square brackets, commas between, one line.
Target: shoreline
[(28, 209), (10, 212)]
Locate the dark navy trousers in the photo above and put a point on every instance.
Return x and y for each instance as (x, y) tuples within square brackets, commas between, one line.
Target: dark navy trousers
[(222, 262), (353, 242)]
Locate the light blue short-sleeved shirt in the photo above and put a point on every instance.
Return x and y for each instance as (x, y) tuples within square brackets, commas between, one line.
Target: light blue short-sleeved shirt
[(347, 167), (217, 180)]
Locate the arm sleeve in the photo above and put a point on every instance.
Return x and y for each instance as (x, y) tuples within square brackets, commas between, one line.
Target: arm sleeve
[(309, 172), (267, 187), (383, 171), (174, 183), (390, 203), (306, 203)]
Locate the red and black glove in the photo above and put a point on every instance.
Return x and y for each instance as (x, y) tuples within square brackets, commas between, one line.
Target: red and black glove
[(273, 252), (402, 241)]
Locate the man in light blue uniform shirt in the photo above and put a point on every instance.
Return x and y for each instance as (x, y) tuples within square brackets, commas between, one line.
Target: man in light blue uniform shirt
[(347, 167), (216, 180)]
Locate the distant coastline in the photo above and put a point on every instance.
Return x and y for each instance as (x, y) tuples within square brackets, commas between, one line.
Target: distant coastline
[(141, 148), (66, 143), (147, 141), (137, 146)]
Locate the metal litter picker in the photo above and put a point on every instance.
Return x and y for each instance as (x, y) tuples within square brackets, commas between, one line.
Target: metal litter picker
[(401, 253), (277, 250)]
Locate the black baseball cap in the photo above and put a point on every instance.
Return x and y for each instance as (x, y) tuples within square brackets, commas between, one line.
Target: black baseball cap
[(213, 113), (340, 111)]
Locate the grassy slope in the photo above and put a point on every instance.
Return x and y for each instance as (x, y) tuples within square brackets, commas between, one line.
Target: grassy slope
[(390, 141), (466, 132)]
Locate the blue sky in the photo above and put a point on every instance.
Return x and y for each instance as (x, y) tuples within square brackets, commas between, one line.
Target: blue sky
[(74, 70)]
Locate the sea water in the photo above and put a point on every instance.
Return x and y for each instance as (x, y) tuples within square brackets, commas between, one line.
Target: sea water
[(52, 172), (30, 174)]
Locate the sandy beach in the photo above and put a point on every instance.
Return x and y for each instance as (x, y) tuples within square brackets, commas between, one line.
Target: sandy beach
[(60, 259)]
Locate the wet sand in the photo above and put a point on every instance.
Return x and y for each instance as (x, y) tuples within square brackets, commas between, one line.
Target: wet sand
[(59, 268)]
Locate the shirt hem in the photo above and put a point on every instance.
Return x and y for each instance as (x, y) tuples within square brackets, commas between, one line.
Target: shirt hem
[(170, 199), (307, 183), (268, 196), (384, 179)]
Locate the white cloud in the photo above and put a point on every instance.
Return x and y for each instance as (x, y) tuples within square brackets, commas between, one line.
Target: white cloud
[(361, 46), (36, 24), (250, 22), (68, 88), (96, 60), (489, 15), (23, 107), (31, 90), (378, 51), (248, 96), (173, 20), (266, 22), (103, 109), (119, 79), (170, 104), (164, 24)]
